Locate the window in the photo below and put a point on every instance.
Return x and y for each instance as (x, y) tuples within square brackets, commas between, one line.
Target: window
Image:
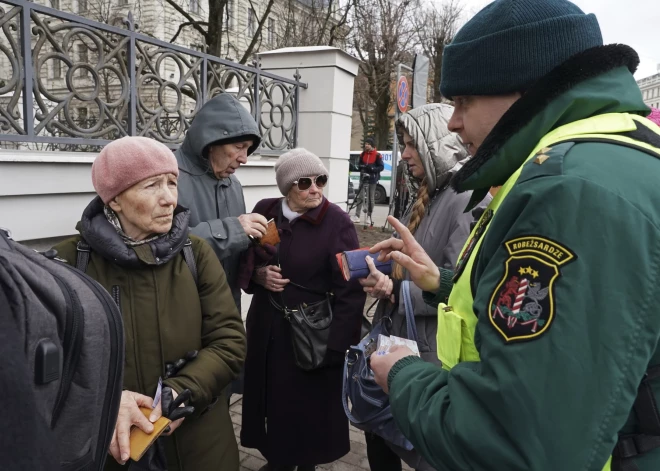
[(194, 6), (123, 2), (646, 94), (252, 23), (84, 58), (57, 68), (82, 6), (55, 4), (82, 114), (271, 31)]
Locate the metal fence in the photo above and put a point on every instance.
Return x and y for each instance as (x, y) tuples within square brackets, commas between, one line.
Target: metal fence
[(67, 82)]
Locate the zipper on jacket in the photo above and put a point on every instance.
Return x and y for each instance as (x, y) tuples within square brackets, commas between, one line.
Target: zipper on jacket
[(115, 372), (217, 207), (72, 344), (115, 297)]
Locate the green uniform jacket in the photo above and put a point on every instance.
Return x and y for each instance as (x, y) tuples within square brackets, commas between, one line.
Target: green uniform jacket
[(557, 398), (164, 317)]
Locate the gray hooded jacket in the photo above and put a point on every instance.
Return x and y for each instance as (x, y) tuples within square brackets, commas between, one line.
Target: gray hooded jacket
[(214, 203)]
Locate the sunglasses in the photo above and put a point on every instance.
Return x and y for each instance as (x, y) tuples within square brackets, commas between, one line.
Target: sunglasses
[(305, 183)]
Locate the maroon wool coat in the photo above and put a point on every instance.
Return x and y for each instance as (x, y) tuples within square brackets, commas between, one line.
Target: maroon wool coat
[(306, 424)]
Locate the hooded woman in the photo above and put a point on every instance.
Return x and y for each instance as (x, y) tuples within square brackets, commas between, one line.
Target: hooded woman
[(437, 220), (181, 324)]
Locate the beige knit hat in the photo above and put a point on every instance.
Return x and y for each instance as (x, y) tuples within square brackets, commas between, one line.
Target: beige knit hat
[(295, 164)]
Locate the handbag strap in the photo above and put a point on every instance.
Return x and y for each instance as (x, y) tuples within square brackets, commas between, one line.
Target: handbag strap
[(410, 313)]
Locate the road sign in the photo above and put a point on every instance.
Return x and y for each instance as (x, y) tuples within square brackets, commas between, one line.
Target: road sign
[(402, 94)]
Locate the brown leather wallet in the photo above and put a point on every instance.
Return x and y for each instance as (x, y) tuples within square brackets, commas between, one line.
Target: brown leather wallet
[(272, 236), (140, 441)]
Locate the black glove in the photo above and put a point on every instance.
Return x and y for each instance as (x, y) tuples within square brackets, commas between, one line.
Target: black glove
[(171, 369), (170, 406)]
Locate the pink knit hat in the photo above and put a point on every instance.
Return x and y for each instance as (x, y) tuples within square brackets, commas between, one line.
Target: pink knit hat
[(654, 116), (127, 161)]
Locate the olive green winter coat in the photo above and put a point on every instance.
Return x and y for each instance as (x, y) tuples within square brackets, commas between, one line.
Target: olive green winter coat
[(165, 315)]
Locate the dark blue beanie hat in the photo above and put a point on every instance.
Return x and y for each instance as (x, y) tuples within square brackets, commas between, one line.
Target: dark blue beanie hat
[(510, 44)]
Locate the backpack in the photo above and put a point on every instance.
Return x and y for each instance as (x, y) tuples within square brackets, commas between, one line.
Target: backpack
[(74, 343)]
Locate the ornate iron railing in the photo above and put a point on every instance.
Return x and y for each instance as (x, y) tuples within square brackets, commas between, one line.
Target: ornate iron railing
[(68, 82)]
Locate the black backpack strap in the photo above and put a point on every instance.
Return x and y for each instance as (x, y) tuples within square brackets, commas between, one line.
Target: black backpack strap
[(646, 407), (83, 251), (189, 257), (648, 418)]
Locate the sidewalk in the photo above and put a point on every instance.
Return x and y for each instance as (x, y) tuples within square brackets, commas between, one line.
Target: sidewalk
[(252, 460)]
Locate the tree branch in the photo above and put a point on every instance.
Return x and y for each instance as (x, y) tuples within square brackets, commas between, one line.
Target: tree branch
[(187, 16), (183, 25), (257, 34)]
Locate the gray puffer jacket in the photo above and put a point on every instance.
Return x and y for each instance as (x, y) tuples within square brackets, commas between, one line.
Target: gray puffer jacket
[(441, 233), (445, 227), (215, 203)]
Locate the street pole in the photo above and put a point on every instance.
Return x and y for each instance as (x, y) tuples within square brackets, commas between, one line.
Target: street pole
[(395, 148)]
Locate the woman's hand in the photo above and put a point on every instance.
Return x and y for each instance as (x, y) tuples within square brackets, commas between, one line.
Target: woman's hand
[(158, 412), (270, 277), (408, 253), (129, 415), (377, 284)]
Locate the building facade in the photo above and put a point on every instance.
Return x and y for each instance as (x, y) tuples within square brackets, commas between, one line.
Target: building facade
[(650, 87)]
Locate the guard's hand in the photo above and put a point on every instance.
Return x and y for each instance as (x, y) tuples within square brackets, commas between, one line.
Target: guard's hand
[(129, 415), (254, 225), (270, 277), (377, 284), (411, 256), (382, 364)]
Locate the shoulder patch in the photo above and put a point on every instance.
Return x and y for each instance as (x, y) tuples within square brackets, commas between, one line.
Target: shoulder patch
[(547, 161), (522, 306)]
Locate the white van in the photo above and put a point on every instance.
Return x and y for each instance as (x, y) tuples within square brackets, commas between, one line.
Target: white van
[(385, 182)]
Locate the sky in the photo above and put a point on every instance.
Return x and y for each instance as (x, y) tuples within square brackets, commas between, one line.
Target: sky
[(632, 22)]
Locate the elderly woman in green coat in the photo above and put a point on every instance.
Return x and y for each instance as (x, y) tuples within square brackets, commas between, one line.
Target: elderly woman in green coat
[(174, 302)]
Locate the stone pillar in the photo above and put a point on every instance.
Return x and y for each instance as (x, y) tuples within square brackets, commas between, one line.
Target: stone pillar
[(326, 106)]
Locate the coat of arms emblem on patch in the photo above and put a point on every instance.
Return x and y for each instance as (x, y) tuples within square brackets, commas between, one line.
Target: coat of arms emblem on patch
[(522, 306)]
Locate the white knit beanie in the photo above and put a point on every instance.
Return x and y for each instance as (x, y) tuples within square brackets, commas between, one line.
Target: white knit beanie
[(295, 164)]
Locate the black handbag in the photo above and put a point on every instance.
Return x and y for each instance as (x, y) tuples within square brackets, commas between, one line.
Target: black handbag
[(310, 324), (310, 329)]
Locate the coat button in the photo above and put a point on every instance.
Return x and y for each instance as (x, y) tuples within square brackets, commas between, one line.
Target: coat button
[(51, 253), (225, 132), (157, 259)]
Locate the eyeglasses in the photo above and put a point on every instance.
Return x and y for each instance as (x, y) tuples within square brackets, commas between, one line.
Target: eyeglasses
[(305, 183)]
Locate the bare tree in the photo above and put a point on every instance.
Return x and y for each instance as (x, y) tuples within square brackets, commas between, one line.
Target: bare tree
[(437, 27), (214, 28), (384, 34), (313, 22)]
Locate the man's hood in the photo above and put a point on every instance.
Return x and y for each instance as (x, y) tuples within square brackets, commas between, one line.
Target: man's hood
[(597, 81), (221, 118), (439, 149)]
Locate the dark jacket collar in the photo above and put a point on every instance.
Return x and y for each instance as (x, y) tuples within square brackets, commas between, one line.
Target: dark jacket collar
[(103, 238), (314, 216), (594, 82)]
